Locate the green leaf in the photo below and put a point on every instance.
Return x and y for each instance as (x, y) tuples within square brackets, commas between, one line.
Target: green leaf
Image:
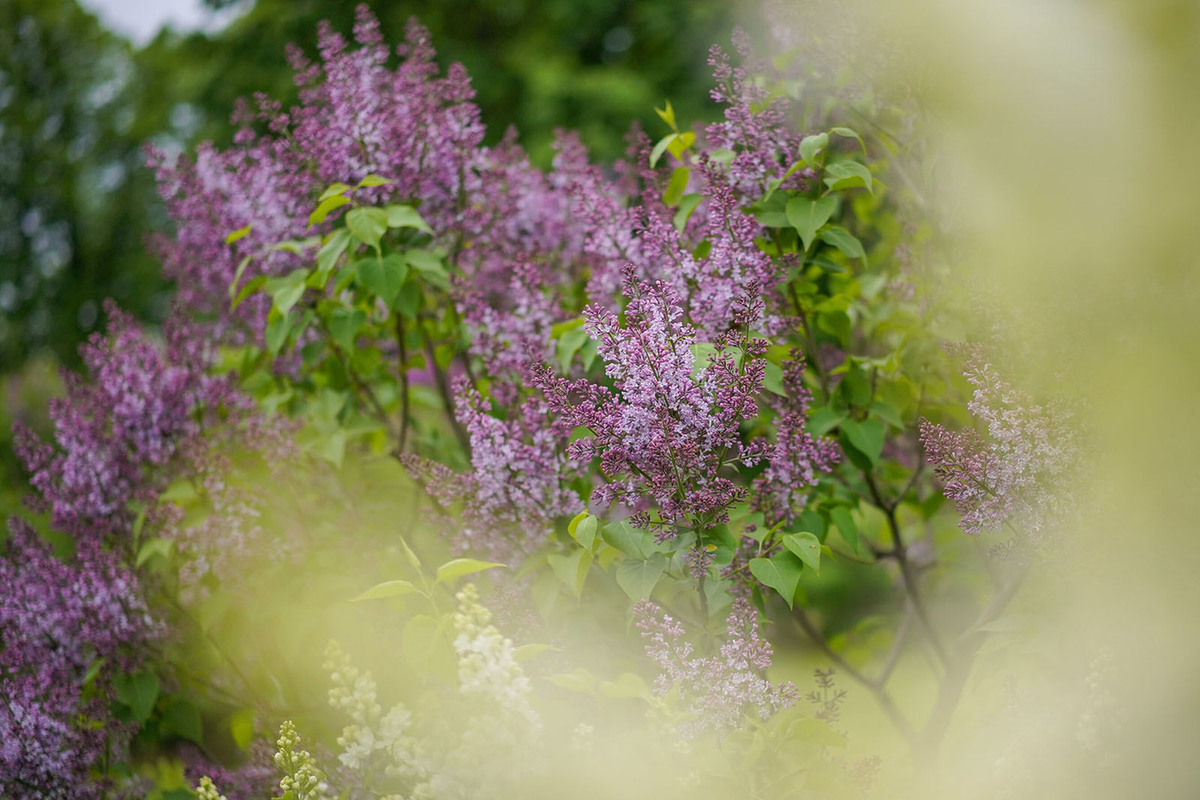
[(866, 437), (627, 539), (333, 191), (237, 276), (458, 567), (383, 277), (571, 569), (139, 692), (332, 250), (660, 148), (806, 547), (638, 578), (374, 180), (153, 547), (626, 687), (287, 291), (583, 529), (344, 324), (781, 572), (409, 555), (252, 286), (773, 379), (182, 718), (849, 134), (235, 235), (681, 143), (888, 413), (397, 588), (431, 267), (845, 525), (527, 651), (92, 671), (325, 206), (562, 327), (569, 345), (367, 224), (577, 680), (722, 156), (824, 419), (848, 175), (241, 728), (331, 447), (278, 328), (407, 217), (806, 216), (702, 356), (687, 204), (843, 240), (667, 115), (811, 145), (676, 186)]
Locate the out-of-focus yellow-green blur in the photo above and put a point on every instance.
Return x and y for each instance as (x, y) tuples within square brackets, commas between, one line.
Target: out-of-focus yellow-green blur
[(1066, 150)]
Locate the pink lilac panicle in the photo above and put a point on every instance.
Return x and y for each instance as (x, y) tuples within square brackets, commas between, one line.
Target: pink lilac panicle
[(665, 437), (1020, 472), (57, 618), (796, 457), (356, 117), (755, 126), (137, 406), (517, 484), (722, 689)]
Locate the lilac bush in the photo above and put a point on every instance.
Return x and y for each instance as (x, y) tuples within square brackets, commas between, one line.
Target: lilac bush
[(679, 382)]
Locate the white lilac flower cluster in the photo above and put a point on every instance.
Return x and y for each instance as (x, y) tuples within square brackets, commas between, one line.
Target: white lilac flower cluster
[(373, 739)]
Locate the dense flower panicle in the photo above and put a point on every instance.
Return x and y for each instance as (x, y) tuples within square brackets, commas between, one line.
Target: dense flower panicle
[(487, 665), (373, 742), (755, 125), (134, 411), (301, 775), (517, 486), (490, 206), (1021, 472), (720, 689), (664, 439), (56, 620), (512, 330), (796, 457)]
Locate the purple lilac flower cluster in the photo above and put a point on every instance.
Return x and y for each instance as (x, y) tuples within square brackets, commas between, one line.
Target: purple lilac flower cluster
[(131, 415), (720, 689), (1020, 471), (665, 437), (57, 620), (516, 487), (116, 432), (796, 456)]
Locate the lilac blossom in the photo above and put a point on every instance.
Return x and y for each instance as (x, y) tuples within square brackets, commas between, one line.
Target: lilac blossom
[(136, 408), (517, 484), (664, 438), (491, 208), (755, 124), (796, 457), (721, 689), (57, 619), (1019, 471)]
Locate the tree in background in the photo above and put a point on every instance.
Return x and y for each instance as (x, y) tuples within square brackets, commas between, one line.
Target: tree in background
[(74, 195)]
